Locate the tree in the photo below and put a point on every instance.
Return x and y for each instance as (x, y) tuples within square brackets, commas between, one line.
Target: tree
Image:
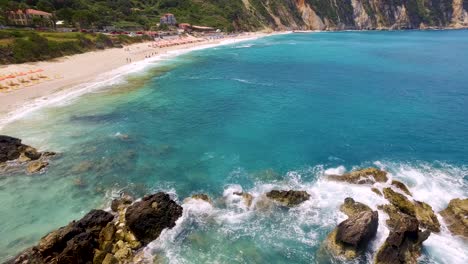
[(45, 5)]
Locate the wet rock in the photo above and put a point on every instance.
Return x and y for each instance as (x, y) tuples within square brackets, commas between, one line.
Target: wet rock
[(426, 217), (456, 217), (401, 186), (148, 217), (36, 166), (364, 176), (400, 201), (351, 207), (403, 245), (376, 191), (352, 236), (358, 229), (10, 148), (32, 153), (80, 182), (247, 197), (74, 243), (202, 196), (288, 198), (120, 203), (110, 259)]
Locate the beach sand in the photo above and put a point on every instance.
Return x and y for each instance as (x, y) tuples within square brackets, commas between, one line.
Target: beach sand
[(68, 72)]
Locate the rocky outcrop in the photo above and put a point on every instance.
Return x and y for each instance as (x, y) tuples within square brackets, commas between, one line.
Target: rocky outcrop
[(351, 207), (351, 237), (103, 237), (74, 243), (401, 186), (148, 217), (456, 217), (364, 176), (403, 244), (422, 211), (288, 198), (12, 149)]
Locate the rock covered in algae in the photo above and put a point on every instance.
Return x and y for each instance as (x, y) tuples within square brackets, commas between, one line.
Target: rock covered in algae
[(351, 207), (456, 217), (288, 198), (363, 176)]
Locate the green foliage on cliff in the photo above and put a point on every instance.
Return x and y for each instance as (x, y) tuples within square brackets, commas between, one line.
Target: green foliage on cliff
[(25, 46)]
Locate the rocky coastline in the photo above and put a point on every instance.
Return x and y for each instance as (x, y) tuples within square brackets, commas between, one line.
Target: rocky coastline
[(119, 234), (16, 155)]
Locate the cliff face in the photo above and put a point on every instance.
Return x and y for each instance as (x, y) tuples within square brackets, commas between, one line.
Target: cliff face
[(353, 14)]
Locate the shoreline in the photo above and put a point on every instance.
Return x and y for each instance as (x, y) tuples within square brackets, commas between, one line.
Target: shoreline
[(71, 76)]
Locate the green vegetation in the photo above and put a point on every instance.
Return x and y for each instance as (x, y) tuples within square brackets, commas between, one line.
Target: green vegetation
[(17, 46)]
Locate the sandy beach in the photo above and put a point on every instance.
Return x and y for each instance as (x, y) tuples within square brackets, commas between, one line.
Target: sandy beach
[(46, 78)]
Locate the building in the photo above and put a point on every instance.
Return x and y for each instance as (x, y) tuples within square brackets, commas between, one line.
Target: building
[(168, 19), (185, 26), (30, 17)]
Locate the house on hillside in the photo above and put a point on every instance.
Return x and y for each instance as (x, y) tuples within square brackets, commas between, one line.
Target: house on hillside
[(185, 27), (168, 19), (30, 17)]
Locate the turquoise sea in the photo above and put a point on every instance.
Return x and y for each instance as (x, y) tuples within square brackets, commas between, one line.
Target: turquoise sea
[(276, 112)]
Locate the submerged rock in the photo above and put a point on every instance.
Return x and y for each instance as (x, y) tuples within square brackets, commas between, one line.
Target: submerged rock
[(376, 191), (364, 176), (351, 207), (288, 198), (148, 217), (247, 197), (401, 186), (403, 244), (201, 196), (456, 217), (37, 166)]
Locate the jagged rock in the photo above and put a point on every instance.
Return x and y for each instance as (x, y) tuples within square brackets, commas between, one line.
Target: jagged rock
[(36, 166), (288, 198), (351, 207), (99, 256), (124, 201), (456, 217), (10, 148), (247, 197), (32, 153), (74, 243), (364, 176), (358, 229), (110, 259), (352, 236), (376, 191), (107, 233), (399, 201), (148, 217), (401, 186), (422, 211), (426, 216), (403, 245)]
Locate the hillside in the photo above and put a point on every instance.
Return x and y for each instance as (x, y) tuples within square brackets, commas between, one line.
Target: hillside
[(251, 15)]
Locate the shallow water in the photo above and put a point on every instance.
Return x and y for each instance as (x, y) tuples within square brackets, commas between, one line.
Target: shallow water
[(277, 112)]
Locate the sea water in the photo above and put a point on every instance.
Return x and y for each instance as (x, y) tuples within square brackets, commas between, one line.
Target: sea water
[(274, 113)]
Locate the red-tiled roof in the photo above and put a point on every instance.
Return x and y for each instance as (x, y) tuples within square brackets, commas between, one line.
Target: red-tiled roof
[(33, 12)]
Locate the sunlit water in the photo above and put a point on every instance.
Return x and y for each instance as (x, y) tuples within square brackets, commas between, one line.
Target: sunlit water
[(274, 113)]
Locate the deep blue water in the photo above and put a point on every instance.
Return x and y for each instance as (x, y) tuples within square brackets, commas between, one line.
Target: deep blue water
[(270, 113)]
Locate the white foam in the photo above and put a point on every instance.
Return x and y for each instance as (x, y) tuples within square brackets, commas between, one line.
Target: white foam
[(322, 210)]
